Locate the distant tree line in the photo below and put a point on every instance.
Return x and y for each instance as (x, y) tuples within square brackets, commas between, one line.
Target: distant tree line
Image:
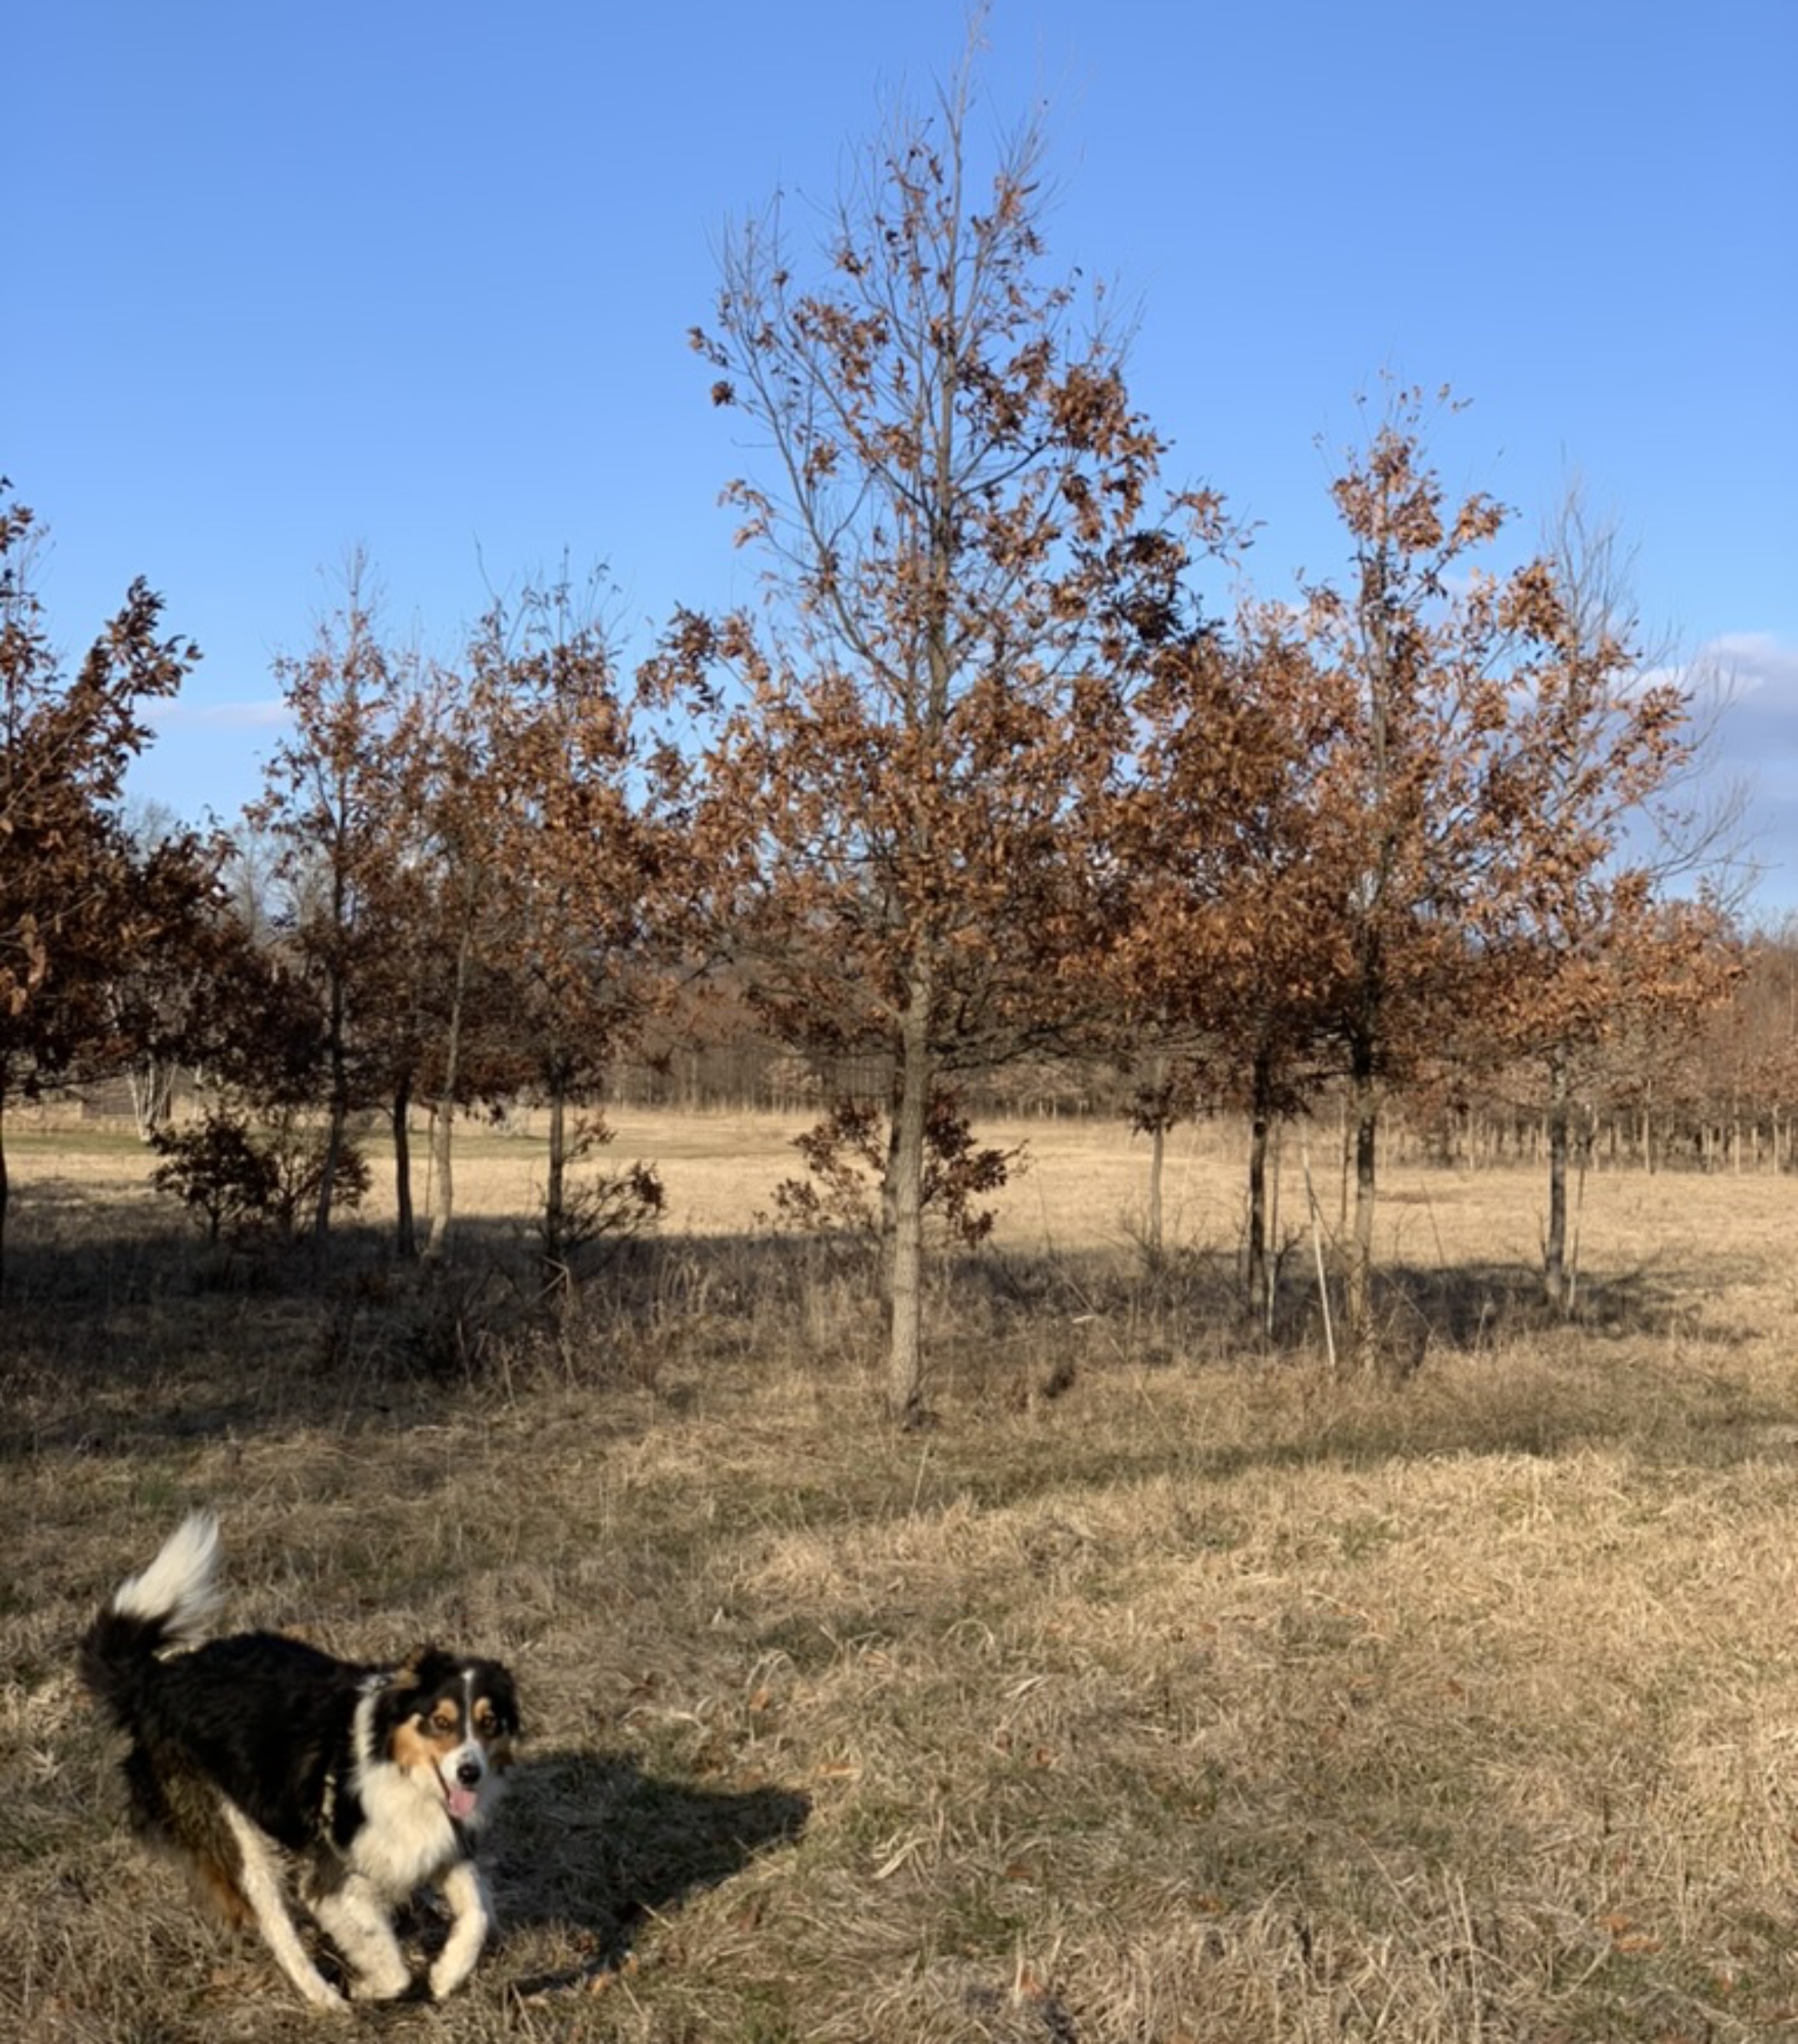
[(980, 806)]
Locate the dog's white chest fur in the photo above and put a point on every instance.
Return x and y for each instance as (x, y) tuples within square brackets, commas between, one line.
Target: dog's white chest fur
[(408, 1838)]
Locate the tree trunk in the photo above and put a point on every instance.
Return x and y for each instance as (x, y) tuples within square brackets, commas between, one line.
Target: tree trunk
[(6, 1187), (1158, 1162), (904, 1205), (1256, 1282), (152, 1082), (1361, 1345), (1258, 1275), (555, 1189), (1554, 1245), (443, 1184), (442, 1178), (405, 1238), (337, 1123)]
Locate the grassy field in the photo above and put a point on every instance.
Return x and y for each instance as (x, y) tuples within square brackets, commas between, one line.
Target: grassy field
[(1207, 1701)]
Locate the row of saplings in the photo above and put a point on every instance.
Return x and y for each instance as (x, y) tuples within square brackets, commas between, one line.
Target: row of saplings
[(247, 1183), (251, 1184)]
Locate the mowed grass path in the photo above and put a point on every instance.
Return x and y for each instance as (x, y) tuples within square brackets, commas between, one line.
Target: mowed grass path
[(1210, 1700)]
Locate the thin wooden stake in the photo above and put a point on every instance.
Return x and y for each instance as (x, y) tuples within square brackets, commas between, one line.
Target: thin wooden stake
[(1317, 1250)]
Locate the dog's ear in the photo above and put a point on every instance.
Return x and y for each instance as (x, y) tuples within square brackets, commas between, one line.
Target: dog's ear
[(410, 1671), (502, 1692), (397, 1700)]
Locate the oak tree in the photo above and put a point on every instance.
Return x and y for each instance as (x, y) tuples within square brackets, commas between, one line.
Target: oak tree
[(80, 904), (1595, 944), (953, 505), (341, 801), (1469, 810), (552, 850), (1226, 958)]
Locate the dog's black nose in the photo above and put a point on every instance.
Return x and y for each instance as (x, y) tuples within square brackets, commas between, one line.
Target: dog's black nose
[(469, 1774)]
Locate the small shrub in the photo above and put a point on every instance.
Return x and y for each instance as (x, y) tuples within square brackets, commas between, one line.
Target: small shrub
[(461, 1324), (843, 1157), (215, 1167), (241, 1182), (846, 1157), (296, 1155), (600, 1205)]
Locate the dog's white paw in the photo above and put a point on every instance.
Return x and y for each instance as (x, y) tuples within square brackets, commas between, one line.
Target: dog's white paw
[(443, 1980), (380, 1987)]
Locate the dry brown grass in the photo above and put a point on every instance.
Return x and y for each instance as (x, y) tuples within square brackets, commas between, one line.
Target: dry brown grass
[(1210, 1701)]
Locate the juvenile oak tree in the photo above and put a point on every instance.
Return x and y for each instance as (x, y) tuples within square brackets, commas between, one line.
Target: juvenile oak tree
[(1469, 809), (1225, 958), (1599, 947), (81, 906), (564, 796), (953, 506), (342, 803)]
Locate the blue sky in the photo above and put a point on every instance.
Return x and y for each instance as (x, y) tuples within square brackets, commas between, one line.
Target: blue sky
[(284, 279)]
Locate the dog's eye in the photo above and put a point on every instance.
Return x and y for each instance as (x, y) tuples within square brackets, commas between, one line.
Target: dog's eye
[(483, 1719), (443, 1718)]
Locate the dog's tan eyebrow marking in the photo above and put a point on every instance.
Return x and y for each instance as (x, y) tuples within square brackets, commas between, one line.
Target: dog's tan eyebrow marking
[(412, 1746)]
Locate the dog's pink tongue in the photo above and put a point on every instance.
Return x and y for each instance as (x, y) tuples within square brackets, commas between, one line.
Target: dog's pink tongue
[(461, 1801)]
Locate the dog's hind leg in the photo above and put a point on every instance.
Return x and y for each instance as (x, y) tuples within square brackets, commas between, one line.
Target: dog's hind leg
[(352, 1916), (259, 1881), (464, 1891)]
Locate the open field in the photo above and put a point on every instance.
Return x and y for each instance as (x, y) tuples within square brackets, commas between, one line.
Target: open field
[(1210, 1700)]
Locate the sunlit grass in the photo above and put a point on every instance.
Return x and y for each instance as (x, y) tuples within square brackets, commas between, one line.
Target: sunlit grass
[(1209, 1699)]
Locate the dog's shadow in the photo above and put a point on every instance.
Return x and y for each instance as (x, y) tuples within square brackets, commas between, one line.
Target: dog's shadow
[(591, 1844)]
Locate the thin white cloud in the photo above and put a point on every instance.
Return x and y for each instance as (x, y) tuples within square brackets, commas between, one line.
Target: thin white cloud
[(1753, 679), (261, 714), (1741, 668), (1756, 664), (1748, 683)]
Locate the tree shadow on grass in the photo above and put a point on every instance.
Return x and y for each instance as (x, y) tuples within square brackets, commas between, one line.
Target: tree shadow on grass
[(1190, 1301), (1475, 1305), (596, 1846)]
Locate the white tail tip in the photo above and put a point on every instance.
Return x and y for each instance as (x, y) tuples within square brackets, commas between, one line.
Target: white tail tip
[(177, 1587)]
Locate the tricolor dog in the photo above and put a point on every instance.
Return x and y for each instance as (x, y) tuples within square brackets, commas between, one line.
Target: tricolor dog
[(256, 1755)]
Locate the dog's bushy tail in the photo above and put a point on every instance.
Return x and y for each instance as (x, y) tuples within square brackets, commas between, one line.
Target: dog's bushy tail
[(167, 1605)]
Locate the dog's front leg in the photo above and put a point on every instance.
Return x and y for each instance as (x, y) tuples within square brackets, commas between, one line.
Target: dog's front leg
[(260, 1882), (462, 1889), (352, 1917)]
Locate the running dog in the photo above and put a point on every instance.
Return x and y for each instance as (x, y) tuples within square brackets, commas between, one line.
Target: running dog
[(256, 1752)]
